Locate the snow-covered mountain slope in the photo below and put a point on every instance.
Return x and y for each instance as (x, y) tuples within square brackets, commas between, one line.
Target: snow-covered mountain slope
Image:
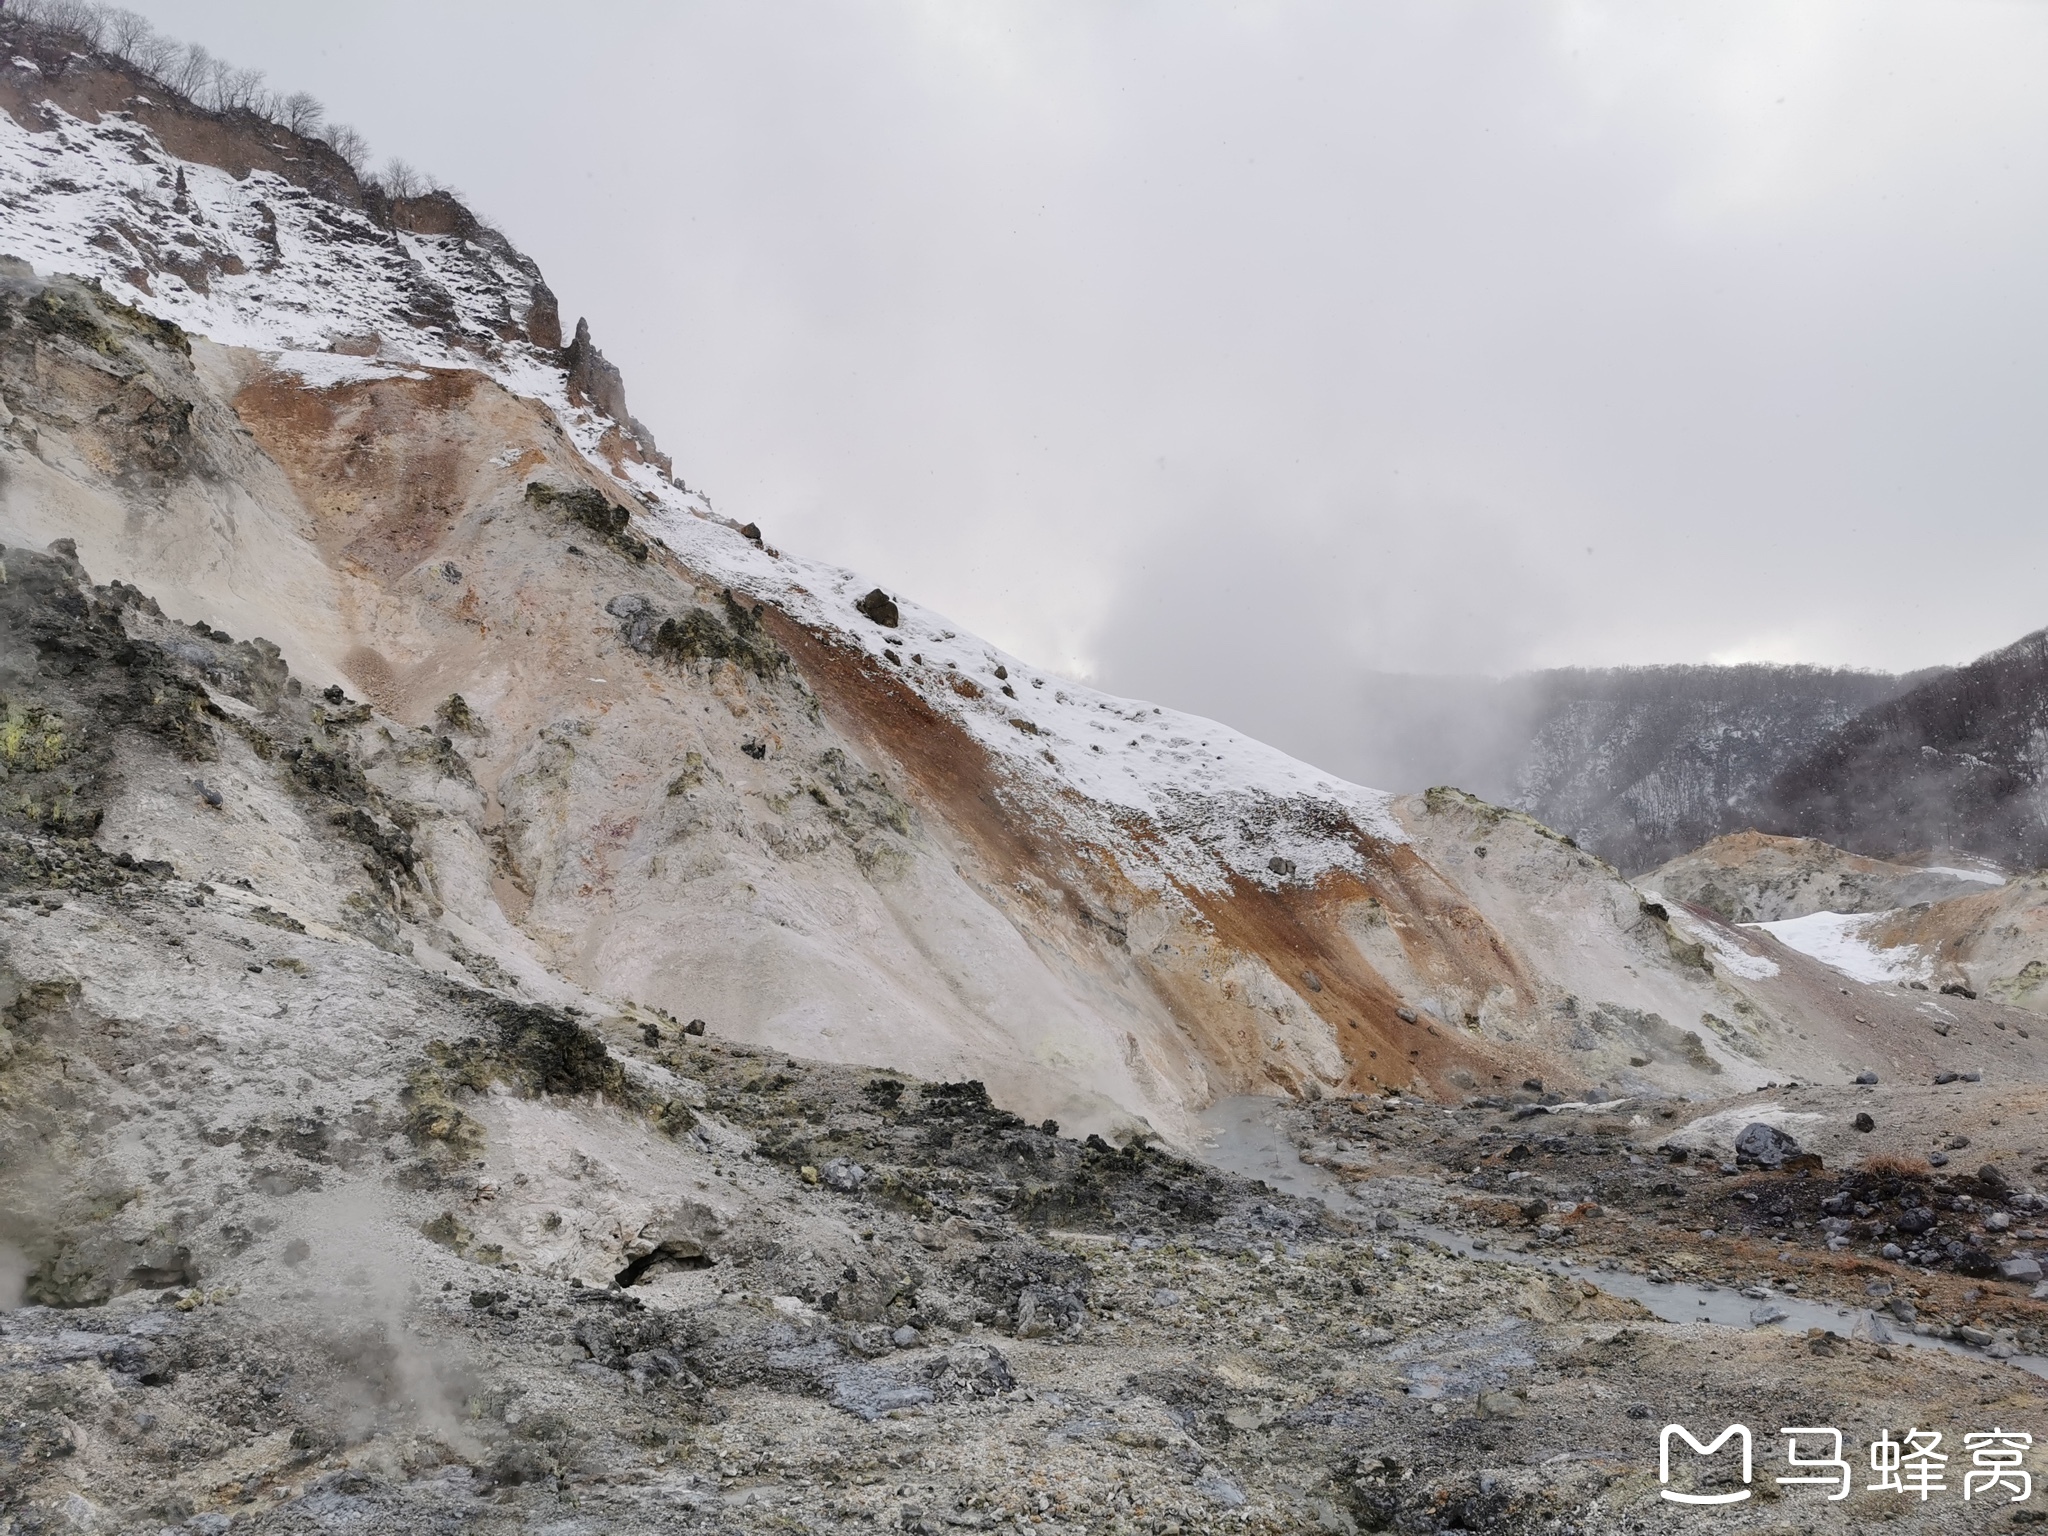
[(704, 774), (331, 297)]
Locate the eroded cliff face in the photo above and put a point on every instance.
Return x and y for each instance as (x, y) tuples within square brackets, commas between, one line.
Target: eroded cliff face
[(701, 775), (734, 811)]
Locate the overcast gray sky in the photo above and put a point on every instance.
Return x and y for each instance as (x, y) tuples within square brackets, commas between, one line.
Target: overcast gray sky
[(1217, 352)]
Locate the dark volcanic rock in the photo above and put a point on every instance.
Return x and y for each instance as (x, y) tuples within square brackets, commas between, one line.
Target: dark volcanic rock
[(1764, 1145), (880, 607)]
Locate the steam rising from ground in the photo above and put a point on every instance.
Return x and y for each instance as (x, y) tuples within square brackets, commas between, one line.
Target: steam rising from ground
[(13, 1276), (352, 1296)]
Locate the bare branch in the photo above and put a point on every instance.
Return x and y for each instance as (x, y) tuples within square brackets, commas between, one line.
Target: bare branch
[(350, 145), (77, 19), (401, 180), (301, 112), (154, 56), (188, 73), (127, 34)]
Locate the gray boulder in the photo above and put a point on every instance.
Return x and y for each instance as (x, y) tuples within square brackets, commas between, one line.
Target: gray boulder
[(844, 1175), (1764, 1145), (1048, 1311)]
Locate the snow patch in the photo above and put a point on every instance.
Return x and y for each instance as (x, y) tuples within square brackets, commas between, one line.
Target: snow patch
[(325, 370), (1837, 939), (1982, 876), (1732, 957)]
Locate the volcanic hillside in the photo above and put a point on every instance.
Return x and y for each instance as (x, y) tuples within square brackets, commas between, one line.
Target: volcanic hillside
[(524, 1006), (698, 772)]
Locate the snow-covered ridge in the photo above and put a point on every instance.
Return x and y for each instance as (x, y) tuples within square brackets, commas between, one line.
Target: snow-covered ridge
[(251, 262), (1222, 800), (336, 298)]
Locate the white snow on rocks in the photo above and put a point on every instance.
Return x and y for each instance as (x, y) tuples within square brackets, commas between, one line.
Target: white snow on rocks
[(252, 262), (326, 370), (1226, 804), (1838, 939), (1728, 954)]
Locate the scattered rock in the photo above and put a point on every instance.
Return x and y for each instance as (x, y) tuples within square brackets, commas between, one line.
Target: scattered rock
[(1044, 1311), (868, 1392), (1764, 1145), (880, 608), (1500, 1405), (844, 1175)]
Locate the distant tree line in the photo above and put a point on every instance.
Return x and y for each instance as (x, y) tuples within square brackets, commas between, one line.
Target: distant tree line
[(199, 78)]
